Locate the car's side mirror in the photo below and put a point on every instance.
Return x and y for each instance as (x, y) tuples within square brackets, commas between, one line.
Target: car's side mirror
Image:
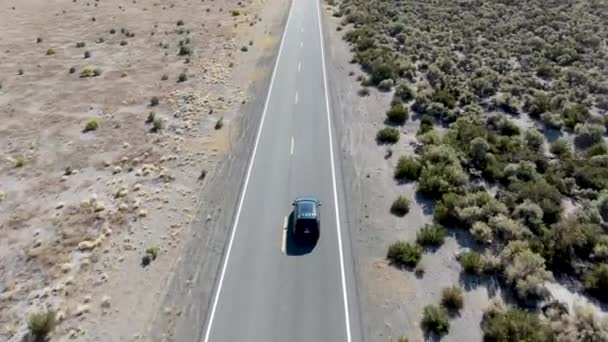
[(293, 203), (320, 204)]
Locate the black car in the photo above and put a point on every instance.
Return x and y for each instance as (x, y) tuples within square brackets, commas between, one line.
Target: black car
[(306, 216)]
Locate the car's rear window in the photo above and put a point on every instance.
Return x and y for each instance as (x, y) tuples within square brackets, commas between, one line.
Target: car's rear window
[(306, 223)]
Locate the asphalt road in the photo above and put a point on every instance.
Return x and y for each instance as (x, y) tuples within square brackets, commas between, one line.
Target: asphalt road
[(270, 289)]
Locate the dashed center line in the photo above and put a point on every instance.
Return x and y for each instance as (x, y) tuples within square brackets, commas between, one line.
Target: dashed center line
[(302, 30), (296, 100), (292, 146), (301, 44), (299, 66)]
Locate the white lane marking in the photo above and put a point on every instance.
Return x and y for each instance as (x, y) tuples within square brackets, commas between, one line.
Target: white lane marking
[(296, 101), (299, 66), (284, 235), (301, 44), (333, 178), (292, 146), (302, 30), (244, 190)]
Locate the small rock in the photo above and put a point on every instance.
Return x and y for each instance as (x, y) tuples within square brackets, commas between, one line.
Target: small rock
[(64, 178), (100, 206), (143, 213), (105, 302), (66, 267), (106, 163), (87, 299), (81, 310), (136, 187), (86, 245), (117, 169), (123, 207)]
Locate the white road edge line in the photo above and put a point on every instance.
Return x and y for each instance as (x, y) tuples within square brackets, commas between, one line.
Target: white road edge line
[(292, 146), (301, 44), (333, 174), (299, 66), (244, 189), (296, 100)]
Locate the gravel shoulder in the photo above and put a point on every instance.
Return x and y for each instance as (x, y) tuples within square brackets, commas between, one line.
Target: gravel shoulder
[(80, 209)]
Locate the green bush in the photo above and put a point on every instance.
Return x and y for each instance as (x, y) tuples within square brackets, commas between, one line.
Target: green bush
[(435, 319), (151, 117), (398, 114), (388, 135), (401, 206), (87, 72), (91, 125), (403, 92), (20, 161), (452, 298), (588, 134), (50, 52), (514, 325), (153, 252), (235, 12), (471, 262), (41, 324), (157, 125), (431, 235), (441, 172), (404, 253), (596, 281), (408, 167)]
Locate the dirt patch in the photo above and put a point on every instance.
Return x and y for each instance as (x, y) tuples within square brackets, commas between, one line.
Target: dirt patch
[(108, 125)]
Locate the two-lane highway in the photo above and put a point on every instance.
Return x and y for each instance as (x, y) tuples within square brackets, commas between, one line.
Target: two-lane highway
[(266, 291)]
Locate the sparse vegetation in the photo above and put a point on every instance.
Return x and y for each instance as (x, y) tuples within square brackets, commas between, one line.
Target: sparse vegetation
[(408, 167), (431, 235), (404, 253), (219, 123), (91, 125), (401, 206), (50, 51), (183, 77), (452, 298), (154, 101), (235, 12), (505, 325), (41, 324), (471, 262), (435, 319), (20, 161), (157, 125), (398, 114), (388, 135)]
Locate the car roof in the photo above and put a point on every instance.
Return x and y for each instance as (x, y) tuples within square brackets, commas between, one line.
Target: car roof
[(307, 198), (306, 208)]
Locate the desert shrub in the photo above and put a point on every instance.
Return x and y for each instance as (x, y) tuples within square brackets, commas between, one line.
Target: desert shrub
[(87, 54), (244, 48), (96, 72), (42, 323), (184, 50), (552, 120), (398, 114), (387, 135), (402, 339), (404, 253), (561, 148), (436, 320), (50, 52), (583, 325), (408, 167), (479, 149), (538, 104), (470, 262), (508, 229), (426, 124), (490, 263), (481, 232), (363, 91), (153, 252), (441, 172), (403, 92), (507, 103), (87, 72), (588, 134), (72, 70), (592, 173), (431, 235), (513, 325), (80, 44), (530, 214), (527, 274), (596, 281), (38, 40), (154, 101), (151, 117), (386, 85), (430, 137), (452, 298), (219, 123), (157, 125), (534, 139), (20, 161), (235, 12), (164, 77), (182, 77), (180, 23), (602, 205), (443, 96), (380, 72), (574, 114), (542, 193), (91, 125), (401, 206)]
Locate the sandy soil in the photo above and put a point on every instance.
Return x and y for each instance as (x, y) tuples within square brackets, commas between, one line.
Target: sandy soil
[(391, 299), (79, 209)]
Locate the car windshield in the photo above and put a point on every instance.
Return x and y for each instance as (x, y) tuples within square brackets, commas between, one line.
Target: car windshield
[(307, 210)]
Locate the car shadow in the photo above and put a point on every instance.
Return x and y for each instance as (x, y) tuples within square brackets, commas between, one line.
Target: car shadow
[(300, 245)]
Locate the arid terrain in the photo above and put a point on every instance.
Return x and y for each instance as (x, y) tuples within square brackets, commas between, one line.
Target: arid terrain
[(472, 136), (118, 117)]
